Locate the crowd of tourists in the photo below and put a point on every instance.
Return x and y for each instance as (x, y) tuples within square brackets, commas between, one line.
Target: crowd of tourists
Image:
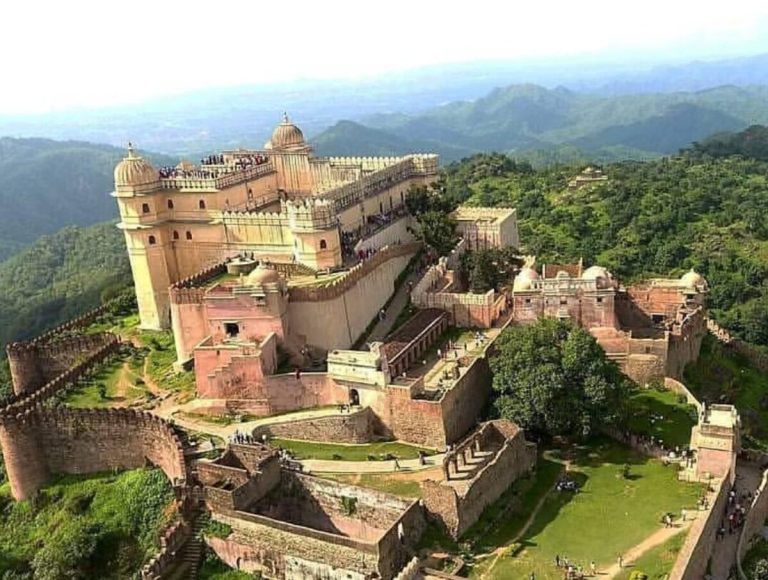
[(735, 512), (240, 163)]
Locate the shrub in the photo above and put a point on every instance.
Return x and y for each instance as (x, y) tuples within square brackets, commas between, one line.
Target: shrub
[(217, 529)]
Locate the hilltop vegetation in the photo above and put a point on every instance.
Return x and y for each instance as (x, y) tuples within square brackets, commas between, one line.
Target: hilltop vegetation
[(47, 185), (96, 526), (60, 277), (547, 125), (653, 218)]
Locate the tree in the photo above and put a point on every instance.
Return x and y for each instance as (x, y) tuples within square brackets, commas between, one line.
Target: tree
[(760, 570), (438, 230), (485, 275), (552, 378)]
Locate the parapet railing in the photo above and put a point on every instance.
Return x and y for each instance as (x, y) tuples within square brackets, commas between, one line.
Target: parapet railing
[(219, 181)]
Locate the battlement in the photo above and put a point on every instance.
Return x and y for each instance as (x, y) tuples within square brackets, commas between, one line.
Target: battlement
[(310, 214), (216, 178), (340, 285), (73, 324), (201, 278)]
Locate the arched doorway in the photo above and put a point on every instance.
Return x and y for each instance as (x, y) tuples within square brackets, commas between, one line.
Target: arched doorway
[(354, 397)]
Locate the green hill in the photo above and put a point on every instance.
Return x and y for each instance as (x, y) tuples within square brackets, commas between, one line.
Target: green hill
[(59, 277), (46, 185), (539, 123)]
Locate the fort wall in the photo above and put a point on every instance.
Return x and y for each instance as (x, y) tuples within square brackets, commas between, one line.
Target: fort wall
[(361, 426), (335, 316), (43, 442), (691, 562)]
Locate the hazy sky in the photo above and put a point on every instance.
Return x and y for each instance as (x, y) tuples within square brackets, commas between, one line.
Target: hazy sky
[(61, 53)]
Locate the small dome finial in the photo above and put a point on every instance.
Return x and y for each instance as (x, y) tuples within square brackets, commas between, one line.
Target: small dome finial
[(130, 150), (286, 120)]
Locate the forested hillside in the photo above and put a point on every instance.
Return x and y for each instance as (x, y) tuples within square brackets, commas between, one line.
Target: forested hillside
[(659, 217), (557, 124), (47, 185), (60, 277)]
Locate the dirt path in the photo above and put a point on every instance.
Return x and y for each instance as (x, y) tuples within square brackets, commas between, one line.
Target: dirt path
[(655, 539), (499, 552)]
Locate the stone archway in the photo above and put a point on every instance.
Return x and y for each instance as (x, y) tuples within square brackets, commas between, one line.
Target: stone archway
[(354, 397)]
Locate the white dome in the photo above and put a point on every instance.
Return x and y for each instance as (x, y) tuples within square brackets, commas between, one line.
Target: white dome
[(262, 275), (524, 280), (286, 136), (693, 279), (602, 276)]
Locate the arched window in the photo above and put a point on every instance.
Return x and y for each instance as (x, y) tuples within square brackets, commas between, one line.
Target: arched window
[(189, 235), (323, 245), (170, 204), (144, 208), (201, 204), (175, 235), (152, 240)]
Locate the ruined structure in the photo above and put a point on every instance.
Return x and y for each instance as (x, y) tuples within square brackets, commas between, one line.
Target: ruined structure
[(652, 329), (281, 203), (487, 227), (285, 524), (476, 472), (590, 176)]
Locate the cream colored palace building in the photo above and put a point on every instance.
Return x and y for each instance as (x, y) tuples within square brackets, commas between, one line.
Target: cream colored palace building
[(281, 203)]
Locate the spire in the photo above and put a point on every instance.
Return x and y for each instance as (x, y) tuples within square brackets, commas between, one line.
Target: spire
[(286, 120), (130, 151)]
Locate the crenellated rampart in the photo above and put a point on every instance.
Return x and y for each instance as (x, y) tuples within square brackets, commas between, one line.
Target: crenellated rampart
[(200, 278)]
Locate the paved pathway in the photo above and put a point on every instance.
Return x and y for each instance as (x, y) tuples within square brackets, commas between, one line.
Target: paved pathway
[(748, 477), (406, 465), (400, 301)]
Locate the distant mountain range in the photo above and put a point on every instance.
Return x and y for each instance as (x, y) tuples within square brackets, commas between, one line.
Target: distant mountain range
[(530, 120), (199, 122), (46, 185)]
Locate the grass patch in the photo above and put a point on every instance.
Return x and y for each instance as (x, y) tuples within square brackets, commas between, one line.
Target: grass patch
[(331, 451), (160, 353), (381, 482), (721, 375), (95, 526), (115, 384), (608, 515), (215, 569), (674, 419), (657, 562)]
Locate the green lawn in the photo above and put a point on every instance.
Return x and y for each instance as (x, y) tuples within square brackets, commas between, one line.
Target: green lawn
[(674, 428), (95, 526), (721, 375), (657, 562), (606, 517), (331, 451)]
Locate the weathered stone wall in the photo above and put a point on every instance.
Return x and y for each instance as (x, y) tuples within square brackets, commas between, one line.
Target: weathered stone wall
[(42, 442), (35, 363), (458, 509), (691, 562), (685, 344), (361, 426), (397, 232)]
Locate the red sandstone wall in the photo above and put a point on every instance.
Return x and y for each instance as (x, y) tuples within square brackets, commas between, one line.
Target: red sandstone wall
[(359, 427)]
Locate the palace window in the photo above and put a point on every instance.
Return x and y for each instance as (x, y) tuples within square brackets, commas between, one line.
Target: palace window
[(189, 235), (175, 235), (201, 204), (170, 204), (144, 208), (599, 299), (152, 240), (563, 301), (323, 245), (232, 329)]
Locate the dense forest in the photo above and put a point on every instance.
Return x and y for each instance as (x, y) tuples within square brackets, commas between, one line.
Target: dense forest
[(560, 125), (47, 185), (703, 208)]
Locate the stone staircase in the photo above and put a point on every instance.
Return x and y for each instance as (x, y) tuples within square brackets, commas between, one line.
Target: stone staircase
[(194, 549)]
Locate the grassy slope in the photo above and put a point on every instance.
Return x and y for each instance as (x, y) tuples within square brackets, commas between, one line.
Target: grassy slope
[(722, 376), (125, 512), (660, 414), (657, 562)]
